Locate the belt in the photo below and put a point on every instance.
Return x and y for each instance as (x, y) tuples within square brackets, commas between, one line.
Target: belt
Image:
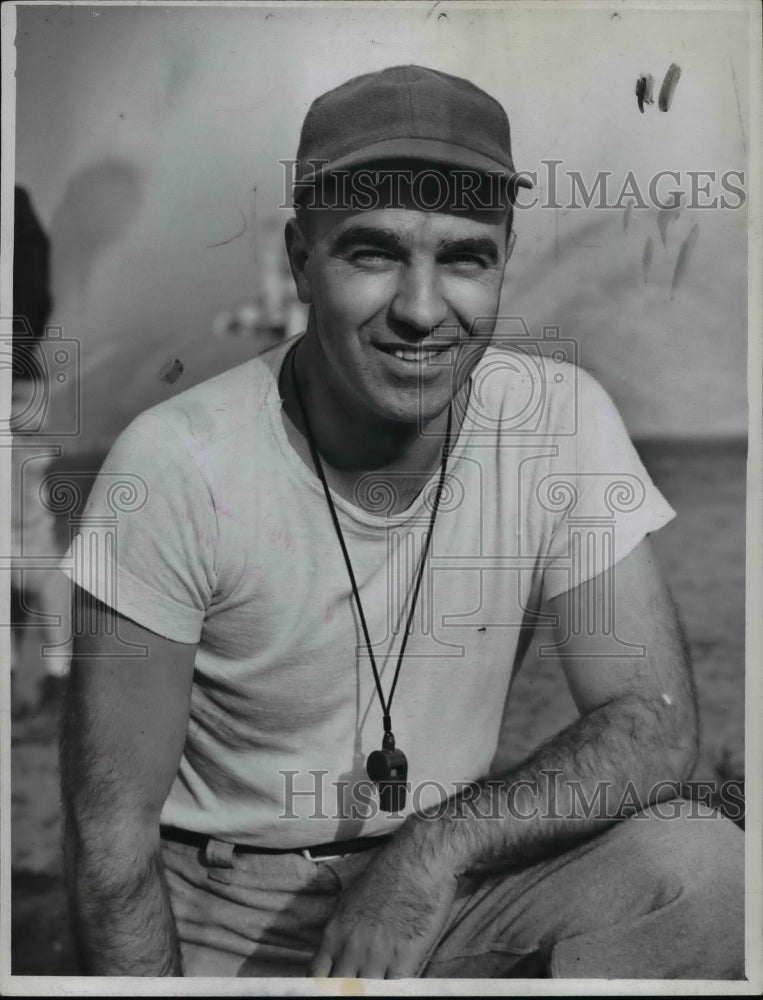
[(317, 852)]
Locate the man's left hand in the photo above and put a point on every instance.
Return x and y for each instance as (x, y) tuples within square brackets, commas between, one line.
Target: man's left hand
[(389, 919)]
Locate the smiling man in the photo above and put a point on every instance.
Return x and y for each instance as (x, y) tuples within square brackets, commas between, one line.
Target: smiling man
[(288, 685)]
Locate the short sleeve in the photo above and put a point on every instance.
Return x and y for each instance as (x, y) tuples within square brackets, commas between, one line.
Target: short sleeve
[(599, 500), (147, 541)]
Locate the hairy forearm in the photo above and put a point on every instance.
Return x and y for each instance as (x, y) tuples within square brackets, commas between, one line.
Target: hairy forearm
[(122, 919), (603, 767)]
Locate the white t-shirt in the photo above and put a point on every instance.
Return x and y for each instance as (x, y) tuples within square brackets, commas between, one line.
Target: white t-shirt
[(220, 535)]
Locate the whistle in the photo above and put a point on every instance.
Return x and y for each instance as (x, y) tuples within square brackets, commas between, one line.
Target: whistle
[(388, 767)]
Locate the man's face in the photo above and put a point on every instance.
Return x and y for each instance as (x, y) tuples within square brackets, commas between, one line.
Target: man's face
[(396, 295)]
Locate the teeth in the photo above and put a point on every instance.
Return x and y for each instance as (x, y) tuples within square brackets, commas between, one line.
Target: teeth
[(413, 355)]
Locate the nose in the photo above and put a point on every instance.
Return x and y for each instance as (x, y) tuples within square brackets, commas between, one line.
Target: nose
[(418, 303)]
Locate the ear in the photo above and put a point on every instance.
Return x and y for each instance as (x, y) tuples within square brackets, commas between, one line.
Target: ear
[(510, 243), (298, 249)]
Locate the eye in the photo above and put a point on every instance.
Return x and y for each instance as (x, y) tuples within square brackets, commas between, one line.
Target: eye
[(465, 261), (371, 256)]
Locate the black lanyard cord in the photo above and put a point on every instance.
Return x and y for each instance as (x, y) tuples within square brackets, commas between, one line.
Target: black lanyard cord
[(385, 703)]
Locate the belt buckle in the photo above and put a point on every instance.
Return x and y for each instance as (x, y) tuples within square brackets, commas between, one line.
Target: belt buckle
[(305, 852)]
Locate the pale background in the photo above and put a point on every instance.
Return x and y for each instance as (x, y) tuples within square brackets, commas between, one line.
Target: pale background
[(141, 134)]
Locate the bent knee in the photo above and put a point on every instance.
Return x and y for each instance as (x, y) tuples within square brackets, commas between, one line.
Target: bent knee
[(690, 844)]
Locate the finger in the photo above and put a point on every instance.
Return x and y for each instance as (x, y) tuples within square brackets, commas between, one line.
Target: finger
[(346, 965), (374, 966), (322, 963)]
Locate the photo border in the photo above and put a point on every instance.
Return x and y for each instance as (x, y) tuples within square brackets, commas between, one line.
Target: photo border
[(13, 985)]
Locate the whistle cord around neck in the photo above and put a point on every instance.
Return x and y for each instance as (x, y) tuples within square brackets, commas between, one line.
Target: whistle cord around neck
[(385, 703)]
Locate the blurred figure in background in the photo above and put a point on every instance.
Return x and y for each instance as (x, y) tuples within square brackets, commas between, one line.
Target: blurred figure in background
[(34, 592)]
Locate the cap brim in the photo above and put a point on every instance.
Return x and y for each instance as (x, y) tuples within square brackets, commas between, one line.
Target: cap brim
[(426, 150)]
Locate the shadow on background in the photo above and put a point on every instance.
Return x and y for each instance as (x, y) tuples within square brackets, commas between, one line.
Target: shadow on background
[(100, 202)]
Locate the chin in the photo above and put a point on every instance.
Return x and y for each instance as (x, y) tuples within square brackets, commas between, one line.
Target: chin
[(414, 412)]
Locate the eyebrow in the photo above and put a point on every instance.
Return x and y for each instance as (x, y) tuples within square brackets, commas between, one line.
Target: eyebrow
[(367, 234), (478, 245)]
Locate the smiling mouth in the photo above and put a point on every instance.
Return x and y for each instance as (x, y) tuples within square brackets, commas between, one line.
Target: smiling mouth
[(413, 355)]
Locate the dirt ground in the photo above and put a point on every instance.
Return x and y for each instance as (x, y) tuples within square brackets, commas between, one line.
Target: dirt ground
[(702, 553)]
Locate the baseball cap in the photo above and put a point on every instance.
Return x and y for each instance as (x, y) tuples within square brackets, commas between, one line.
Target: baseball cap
[(405, 113)]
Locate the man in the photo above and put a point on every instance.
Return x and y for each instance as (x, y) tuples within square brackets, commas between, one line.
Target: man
[(331, 564)]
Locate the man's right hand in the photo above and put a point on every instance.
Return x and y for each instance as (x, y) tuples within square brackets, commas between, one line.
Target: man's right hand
[(390, 918), (124, 728)]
